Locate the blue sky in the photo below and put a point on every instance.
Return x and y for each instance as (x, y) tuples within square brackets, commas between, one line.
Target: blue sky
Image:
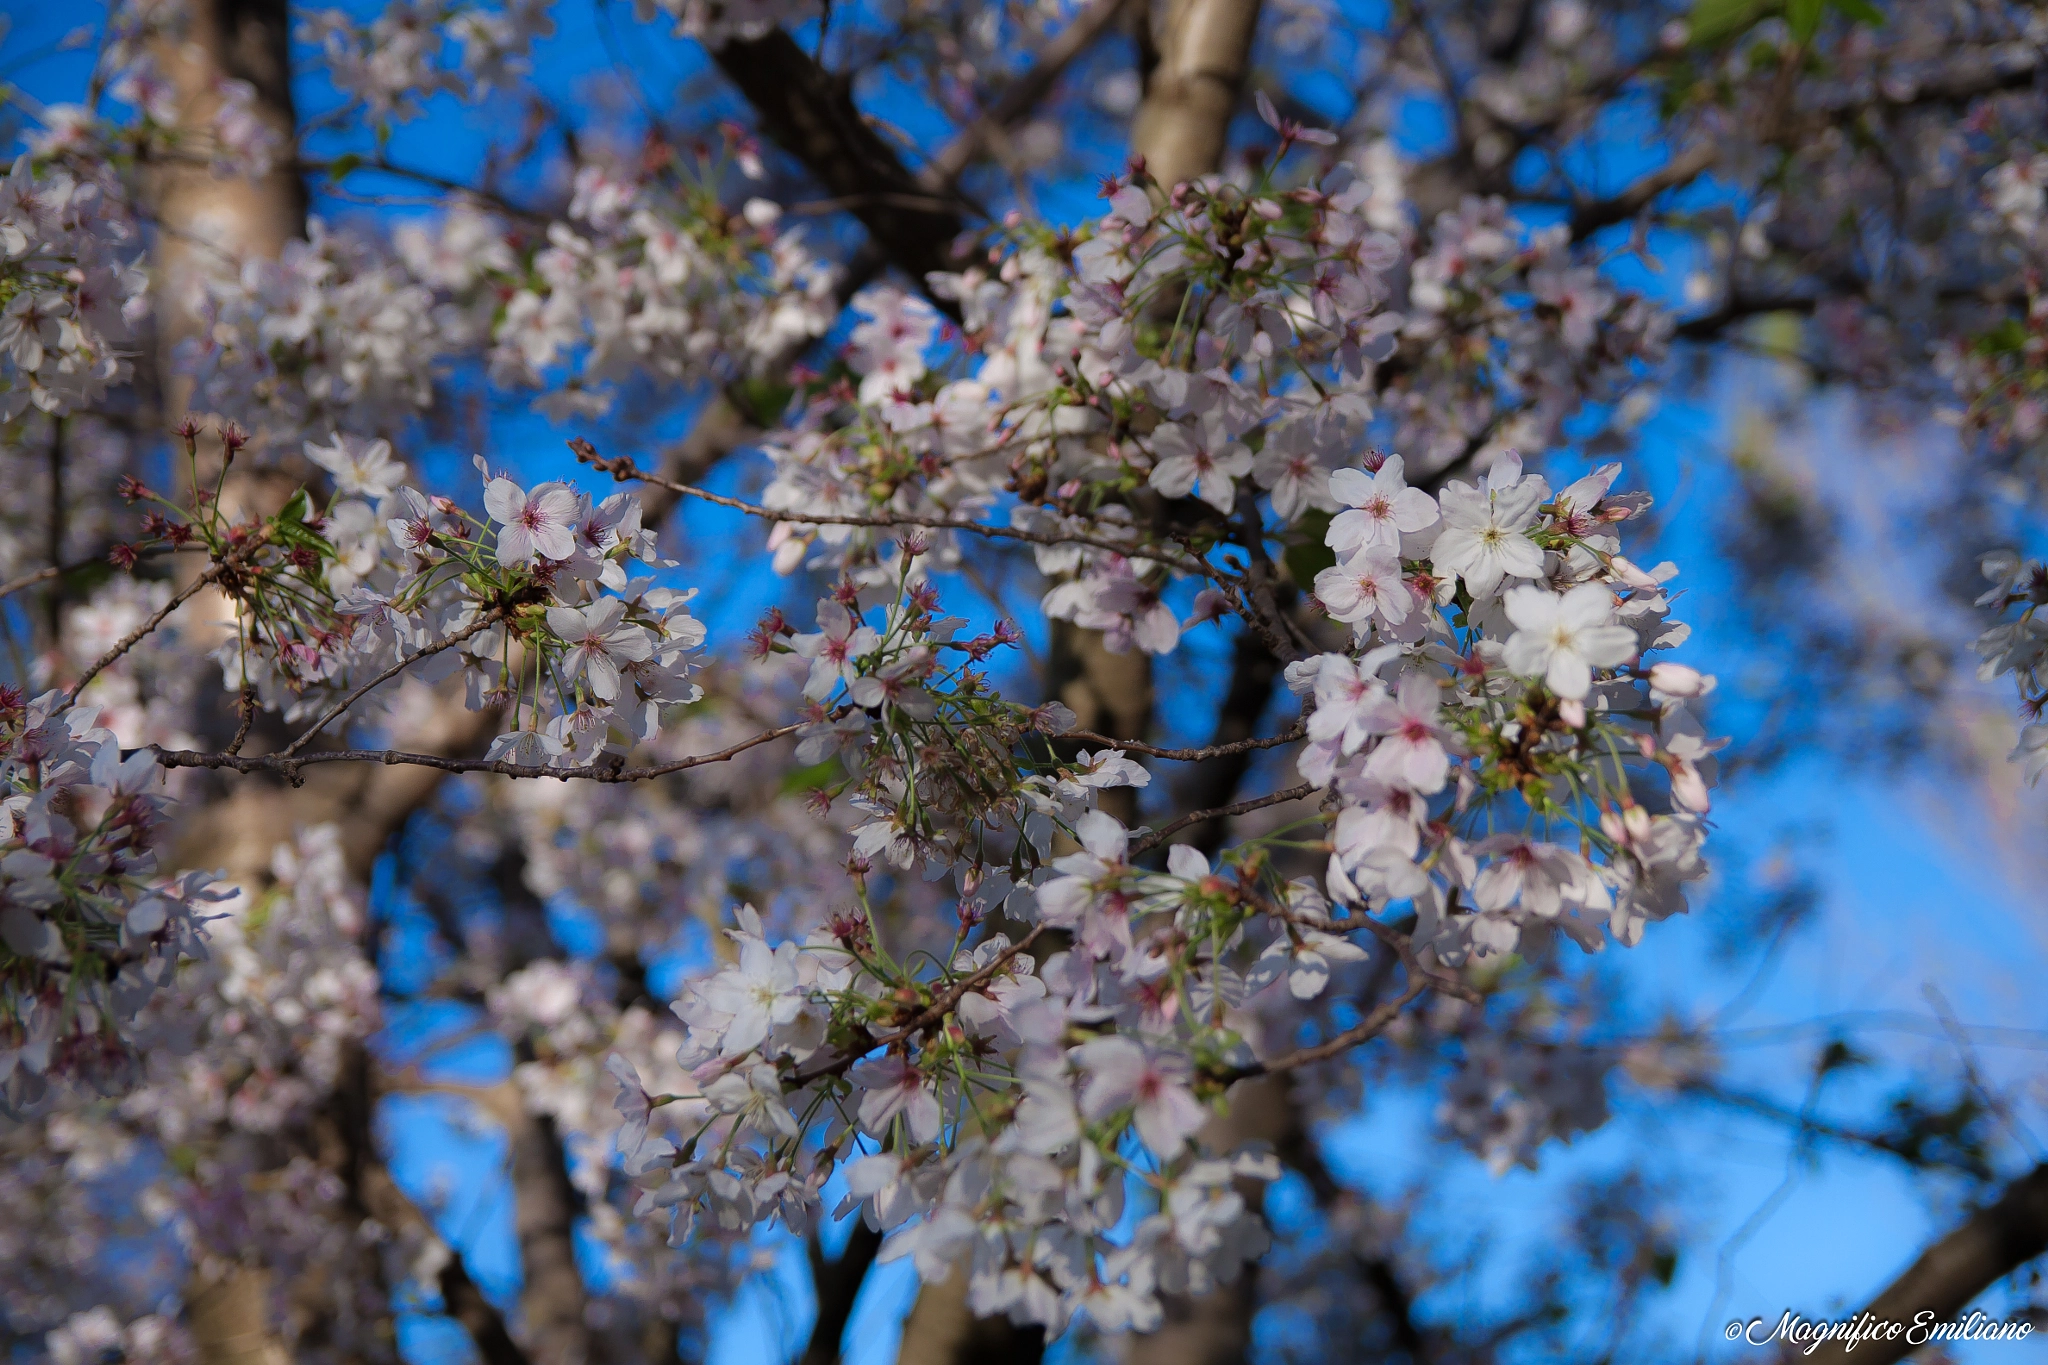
[(1926, 876)]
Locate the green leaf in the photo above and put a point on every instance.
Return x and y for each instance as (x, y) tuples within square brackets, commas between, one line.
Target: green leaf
[(342, 165), (1803, 17), (1715, 21), (2007, 338), (1308, 556), (762, 400), (1859, 12), (810, 779)]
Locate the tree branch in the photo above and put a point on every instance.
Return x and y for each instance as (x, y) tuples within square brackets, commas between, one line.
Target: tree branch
[(838, 1285), (810, 113), (622, 468), (289, 767), (1681, 169), (1023, 95), (1171, 827), (1994, 1242)]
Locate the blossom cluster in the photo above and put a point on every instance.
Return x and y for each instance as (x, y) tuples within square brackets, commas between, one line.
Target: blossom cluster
[(71, 288), (233, 138), (1182, 391), (1499, 638), (2019, 645), (88, 931), (1493, 754), (333, 334), (238, 1055), (389, 65), (1198, 346), (1512, 334), (647, 274), (96, 1335), (531, 602), (253, 1037)]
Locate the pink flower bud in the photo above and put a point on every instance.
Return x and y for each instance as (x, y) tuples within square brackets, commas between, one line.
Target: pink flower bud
[(1678, 680)]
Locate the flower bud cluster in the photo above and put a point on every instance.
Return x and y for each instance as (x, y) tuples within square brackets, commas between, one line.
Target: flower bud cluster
[(71, 288), (88, 931), (531, 601), (2019, 645)]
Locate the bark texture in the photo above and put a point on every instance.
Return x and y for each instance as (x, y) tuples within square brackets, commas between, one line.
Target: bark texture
[(1200, 52), (203, 219)]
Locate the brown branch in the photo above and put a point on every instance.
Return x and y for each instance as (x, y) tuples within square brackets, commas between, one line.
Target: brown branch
[(622, 468), (136, 636), (1165, 831), (1024, 94), (464, 1302), (1764, 1107), (475, 627), (1682, 169), (1420, 979), (837, 1284), (1223, 750), (810, 113), (1993, 1244), (29, 580), (289, 767), (924, 1019), (1255, 673)]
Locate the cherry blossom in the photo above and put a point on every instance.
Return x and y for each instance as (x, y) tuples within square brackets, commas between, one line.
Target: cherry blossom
[(1563, 638), (540, 523)]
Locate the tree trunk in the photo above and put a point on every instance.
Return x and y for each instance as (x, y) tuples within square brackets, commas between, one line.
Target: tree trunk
[(207, 221), (553, 1297), (202, 217), (1200, 52)]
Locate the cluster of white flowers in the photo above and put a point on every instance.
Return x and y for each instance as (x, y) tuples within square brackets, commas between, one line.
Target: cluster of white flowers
[(88, 932), (1498, 637), (237, 1055), (2019, 646), (72, 287), (333, 333), (532, 602), (1492, 371), (394, 62), (253, 1038), (1492, 751), (647, 276)]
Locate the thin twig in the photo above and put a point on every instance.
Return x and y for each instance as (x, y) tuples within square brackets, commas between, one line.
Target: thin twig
[(290, 767), (924, 1019), (623, 469), (1288, 736), (1172, 827), (134, 637), (475, 627), (29, 580), (1420, 979)]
